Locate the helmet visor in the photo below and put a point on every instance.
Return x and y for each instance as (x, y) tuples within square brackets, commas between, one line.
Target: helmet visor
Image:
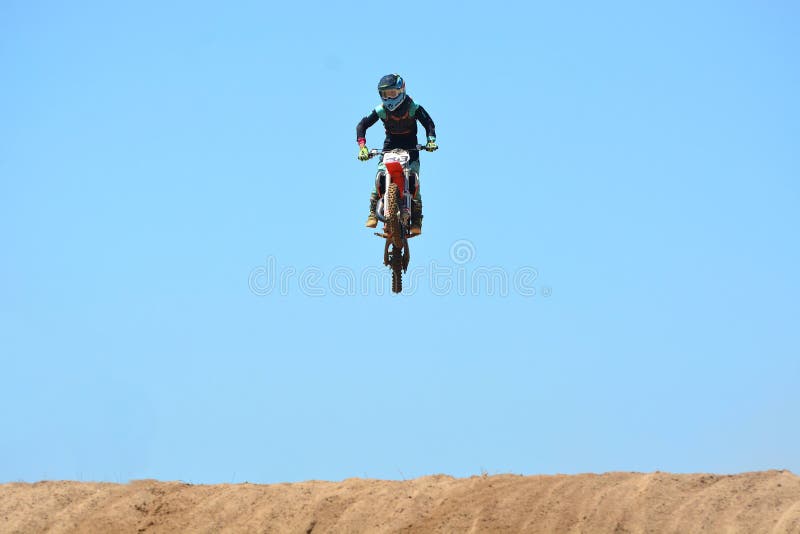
[(388, 94)]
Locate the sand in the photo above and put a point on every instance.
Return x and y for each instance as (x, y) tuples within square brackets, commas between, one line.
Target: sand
[(612, 502)]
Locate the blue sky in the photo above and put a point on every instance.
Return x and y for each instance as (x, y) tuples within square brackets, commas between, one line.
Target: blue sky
[(629, 169)]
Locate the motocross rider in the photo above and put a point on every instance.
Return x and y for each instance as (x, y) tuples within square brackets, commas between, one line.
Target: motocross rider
[(399, 114)]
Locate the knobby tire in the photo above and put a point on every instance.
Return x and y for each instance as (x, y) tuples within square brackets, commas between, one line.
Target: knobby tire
[(395, 229)]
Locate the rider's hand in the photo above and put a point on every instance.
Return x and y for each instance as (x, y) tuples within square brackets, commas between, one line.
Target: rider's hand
[(431, 146), (363, 152)]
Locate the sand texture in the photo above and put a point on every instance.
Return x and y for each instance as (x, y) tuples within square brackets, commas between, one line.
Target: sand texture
[(613, 502)]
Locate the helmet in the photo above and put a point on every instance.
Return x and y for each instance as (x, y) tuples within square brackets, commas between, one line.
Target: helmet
[(392, 89)]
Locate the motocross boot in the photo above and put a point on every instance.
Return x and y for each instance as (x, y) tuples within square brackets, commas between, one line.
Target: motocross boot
[(372, 219), (416, 215)]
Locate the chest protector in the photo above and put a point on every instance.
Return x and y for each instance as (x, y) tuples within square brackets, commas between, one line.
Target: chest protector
[(399, 123)]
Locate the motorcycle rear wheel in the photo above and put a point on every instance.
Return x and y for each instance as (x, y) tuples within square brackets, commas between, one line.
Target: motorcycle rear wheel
[(396, 265)]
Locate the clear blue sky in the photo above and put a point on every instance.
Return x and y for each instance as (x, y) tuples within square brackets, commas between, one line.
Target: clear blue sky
[(637, 162)]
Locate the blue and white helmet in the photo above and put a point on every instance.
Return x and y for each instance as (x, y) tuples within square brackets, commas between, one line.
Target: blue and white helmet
[(392, 89)]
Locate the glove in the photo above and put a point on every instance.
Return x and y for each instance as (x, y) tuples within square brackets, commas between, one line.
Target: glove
[(431, 146), (363, 153)]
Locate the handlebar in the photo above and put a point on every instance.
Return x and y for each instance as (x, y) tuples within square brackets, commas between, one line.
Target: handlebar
[(379, 152)]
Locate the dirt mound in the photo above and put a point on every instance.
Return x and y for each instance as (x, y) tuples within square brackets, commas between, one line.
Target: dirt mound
[(612, 502)]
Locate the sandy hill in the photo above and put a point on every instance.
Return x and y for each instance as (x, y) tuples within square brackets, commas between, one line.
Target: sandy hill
[(612, 502)]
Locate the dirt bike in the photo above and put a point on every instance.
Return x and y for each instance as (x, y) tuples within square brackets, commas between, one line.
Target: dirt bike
[(394, 209)]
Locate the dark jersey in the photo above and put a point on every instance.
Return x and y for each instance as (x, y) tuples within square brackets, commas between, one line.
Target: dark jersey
[(400, 125)]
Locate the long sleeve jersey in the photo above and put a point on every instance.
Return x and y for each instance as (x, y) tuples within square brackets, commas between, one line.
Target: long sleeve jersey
[(400, 125)]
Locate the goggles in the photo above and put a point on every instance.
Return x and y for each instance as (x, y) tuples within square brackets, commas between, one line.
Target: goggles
[(388, 94)]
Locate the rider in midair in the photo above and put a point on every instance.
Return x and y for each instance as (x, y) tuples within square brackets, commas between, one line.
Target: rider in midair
[(399, 114)]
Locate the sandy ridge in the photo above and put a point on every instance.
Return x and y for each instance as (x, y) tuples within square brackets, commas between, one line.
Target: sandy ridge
[(767, 502)]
